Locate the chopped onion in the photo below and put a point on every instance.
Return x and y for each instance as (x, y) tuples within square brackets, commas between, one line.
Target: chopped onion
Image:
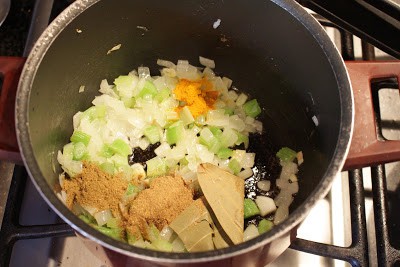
[(166, 233), (264, 185), (166, 63), (102, 217), (206, 62), (281, 214), (246, 173), (232, 95), (284, 198), (266, 205), (177, 245), (227, 82), (242, 98), (250, 232), (300, 158)]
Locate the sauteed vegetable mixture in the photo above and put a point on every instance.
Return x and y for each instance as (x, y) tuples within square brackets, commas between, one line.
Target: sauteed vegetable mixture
[(160, 162)]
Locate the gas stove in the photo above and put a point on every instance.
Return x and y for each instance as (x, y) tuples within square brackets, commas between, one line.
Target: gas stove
[(354, 225)]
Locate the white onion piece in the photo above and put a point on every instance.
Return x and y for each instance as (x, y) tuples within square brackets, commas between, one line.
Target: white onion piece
[(232, 95), (206, 62), (264, 185), (293, 187), (242, 98), (166, 233), (281, 214), (227, 82), (166, 63), (177, 245), (102, 217), (208, 73), (248, 160), (266, 205), (162, 150), (284, 198), (246, 173), (250, 232), (144, 72)]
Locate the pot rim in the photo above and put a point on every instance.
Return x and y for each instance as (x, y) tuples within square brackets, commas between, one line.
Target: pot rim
[(294, 219)]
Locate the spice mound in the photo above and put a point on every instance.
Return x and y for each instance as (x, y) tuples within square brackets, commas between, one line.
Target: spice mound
[(159, 204), (95, 189)]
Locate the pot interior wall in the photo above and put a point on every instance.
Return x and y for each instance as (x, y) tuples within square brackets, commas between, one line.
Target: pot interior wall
[(260, 46)]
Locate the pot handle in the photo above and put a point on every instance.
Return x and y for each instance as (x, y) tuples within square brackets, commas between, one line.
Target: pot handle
[(366, 147), (10, 70)]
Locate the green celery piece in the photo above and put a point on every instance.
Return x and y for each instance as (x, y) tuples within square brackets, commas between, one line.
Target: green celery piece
[(217, 132), (95, 112), (79, 151), (228, 111), (79, 136), (131, 238), (286, 154), (234, 165), (224, 153), (124, 83), (156, 166), (113, 223), (153, 233), (162, 95), (162, 245), (251, 108), (148, 89), (107, 167), (131, 189), (129, 102), (183, 162), (86, 218), (115, 233), (106, 151), (242, 139), (215, 145), (68, 150), (264, 226), (250, 208), (152, 133), (120, 147), (175, 132), (186, 116)]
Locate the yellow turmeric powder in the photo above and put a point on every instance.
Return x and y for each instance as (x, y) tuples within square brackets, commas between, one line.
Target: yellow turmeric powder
[(196, 95)]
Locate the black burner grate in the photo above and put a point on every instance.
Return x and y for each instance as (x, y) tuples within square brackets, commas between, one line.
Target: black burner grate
[(356, 254)]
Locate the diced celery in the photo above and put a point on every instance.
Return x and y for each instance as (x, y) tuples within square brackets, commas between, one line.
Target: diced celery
[(224, 153), (286, 154), (242, 139), (113, 223), (86, 219), (162, 245), (264, 226), (79, 136), (175, 132), (131, 238), (120, 147), (228, 111), (153, 233), (131, 190), (119, 160), (95, 112), (106, 151), (234, 165), (107, 167), (129, 102), (251, 108), (217, 132), (79, 151), (152, 133), (228, 137), (68, 150), (214, 145), (156, 166), (186, 116), (250, 208), (148, 89), (115, 233), (125, 85), (162, 95), (183, 162)]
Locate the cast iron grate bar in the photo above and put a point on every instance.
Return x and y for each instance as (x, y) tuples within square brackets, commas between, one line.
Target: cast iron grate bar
[(12, 230), (357, 253), (387, 254)]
